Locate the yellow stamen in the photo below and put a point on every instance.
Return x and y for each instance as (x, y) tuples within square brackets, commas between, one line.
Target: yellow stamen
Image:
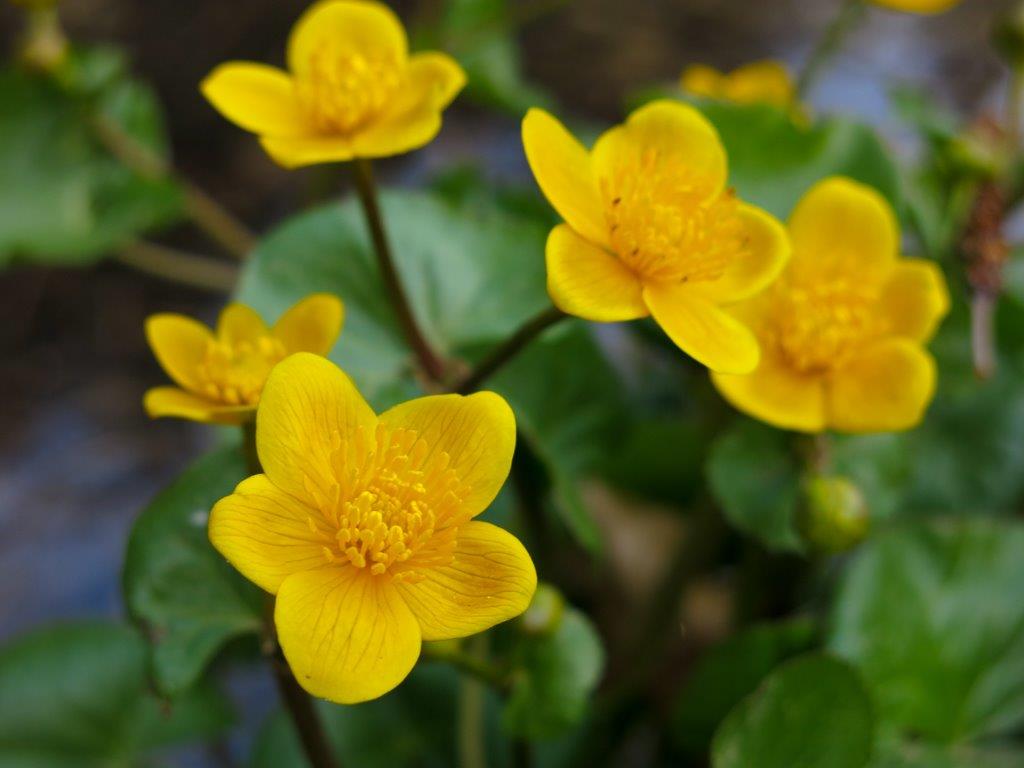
[(235, 373)]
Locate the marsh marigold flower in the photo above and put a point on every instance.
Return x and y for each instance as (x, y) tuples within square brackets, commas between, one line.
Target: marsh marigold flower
[(917, 6), (652, 229), (761, 82), (220, 374), (352, 89), (843, 329), (362, 525)]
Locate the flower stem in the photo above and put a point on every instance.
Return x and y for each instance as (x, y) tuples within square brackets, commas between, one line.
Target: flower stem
[(304, 717), (207, 214), (512, 346), (829, 43), (431, 363), (472, 749), (178, 266)]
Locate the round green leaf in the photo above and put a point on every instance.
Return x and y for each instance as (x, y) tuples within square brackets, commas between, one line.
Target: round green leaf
[(932, 617), (185, 595), (812, 712)]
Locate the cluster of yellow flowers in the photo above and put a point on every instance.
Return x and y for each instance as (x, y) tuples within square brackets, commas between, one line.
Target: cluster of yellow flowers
[(362, 524)]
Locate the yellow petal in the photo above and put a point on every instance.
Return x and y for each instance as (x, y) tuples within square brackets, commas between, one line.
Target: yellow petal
[(701, 329), (311, 325), (265, 533), (845, 227), (436, 74), (664, 129), (477, 432), (886, 388), (171, 401), (777, 395), (348, 636), (587, 281), (395, 133), (351, 26), (918, 6), (239, 323), (701, 80), (915, 299), (491, 580), (301, 151), (180, 345), (307, 404), (764, 257), (761, 82), (562, 168), (256, 97)]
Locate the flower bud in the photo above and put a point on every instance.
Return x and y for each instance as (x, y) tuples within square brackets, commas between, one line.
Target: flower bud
[(44, 46), (833, 515), (544, 614)]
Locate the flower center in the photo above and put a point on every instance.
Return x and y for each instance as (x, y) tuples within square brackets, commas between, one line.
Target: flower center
[(818, 324), (235, 373), (665, 226), (394, 499), (344, 89)]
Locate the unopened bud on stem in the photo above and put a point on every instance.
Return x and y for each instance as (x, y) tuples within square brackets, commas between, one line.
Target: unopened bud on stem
[(833, 516)]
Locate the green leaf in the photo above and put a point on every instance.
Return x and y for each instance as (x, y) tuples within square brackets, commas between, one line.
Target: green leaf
[(556, 675), (185, 595), (931, 616), (474, 274), (812, 712), (77, 695), (63, 197), (728, 673)]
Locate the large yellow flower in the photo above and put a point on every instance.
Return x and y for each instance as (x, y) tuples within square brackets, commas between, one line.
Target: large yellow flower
[(843, 329), (353, 89), (363, 526), (220, 375), (761, 82), (917, 6), (652, 229)]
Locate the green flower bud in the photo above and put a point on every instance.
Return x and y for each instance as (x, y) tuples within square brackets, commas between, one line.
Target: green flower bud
[(544, 614), (833, 516)]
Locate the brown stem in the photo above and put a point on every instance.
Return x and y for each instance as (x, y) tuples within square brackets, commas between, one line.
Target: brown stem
[(431, 363), (304, 717), (985, 251), (509, 349), (205, 212), (178, 266)]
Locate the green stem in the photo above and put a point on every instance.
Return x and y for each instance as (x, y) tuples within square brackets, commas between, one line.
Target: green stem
[(431, 363), (511, 347), (829, 44), (252, 459), (178, 267), (472, 748)]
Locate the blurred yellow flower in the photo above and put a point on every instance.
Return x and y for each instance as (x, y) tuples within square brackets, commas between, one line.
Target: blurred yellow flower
[(652, 229), (353, 89), (220, 376), (843, 329), (917, 6), (761, 82), (362, 526)]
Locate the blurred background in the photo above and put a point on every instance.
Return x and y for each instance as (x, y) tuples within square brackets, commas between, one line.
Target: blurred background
[(79, 458)]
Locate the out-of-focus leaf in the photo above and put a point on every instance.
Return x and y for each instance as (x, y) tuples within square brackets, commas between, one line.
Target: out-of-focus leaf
[(185, 595), (76, 696), (555, 677), (918, 756), (931, 616), (812, 712), (728, 673), (63, 197), (474, 274)]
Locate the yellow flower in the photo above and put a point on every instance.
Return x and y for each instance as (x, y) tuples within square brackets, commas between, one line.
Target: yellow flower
[(362, 526), (353, 89), (762, 82), (652, 229), (843, 329), (220, 376), (917, 6)]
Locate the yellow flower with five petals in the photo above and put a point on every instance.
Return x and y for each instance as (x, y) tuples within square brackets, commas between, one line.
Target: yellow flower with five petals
[(353, 90), (362, 526), (760, 82), (652, 229), (221, 374), (843, 329)]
